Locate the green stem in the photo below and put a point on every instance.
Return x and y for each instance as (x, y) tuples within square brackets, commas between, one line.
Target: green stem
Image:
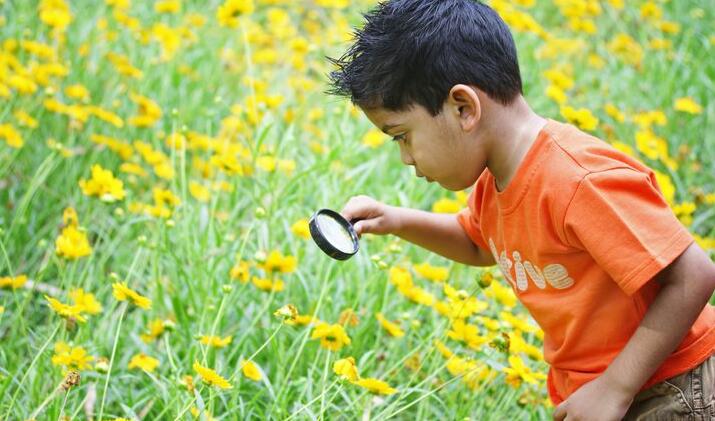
[(111, 360)]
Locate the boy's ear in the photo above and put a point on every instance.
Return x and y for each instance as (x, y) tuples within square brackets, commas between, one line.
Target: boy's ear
[(465, 102)]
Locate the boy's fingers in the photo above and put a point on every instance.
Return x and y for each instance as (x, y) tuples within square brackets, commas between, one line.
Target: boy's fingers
[(364, 226), (560, 412), (358, 227), (355, 208)]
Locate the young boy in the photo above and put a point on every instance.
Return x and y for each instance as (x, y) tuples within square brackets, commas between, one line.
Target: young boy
[(580, 230)]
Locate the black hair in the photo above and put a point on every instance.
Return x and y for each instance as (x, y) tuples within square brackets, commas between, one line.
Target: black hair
[(414, 51)]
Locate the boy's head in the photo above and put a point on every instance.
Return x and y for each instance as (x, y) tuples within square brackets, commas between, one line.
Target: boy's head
[(434, 67)]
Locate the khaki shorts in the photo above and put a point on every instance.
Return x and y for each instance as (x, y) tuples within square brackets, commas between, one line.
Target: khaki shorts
[(688, 396)]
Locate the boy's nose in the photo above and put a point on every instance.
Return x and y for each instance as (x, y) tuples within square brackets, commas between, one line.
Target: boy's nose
[(406, 157)]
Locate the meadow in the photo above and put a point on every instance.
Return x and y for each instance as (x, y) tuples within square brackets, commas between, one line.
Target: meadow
[(159, 161)]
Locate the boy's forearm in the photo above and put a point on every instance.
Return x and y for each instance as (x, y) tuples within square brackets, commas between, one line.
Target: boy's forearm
[(440, 233), (674, 310)]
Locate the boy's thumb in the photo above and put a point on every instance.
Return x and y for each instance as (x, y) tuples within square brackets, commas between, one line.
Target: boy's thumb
[(361, 227)]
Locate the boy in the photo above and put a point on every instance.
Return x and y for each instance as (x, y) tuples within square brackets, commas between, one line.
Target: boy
[(580, 230)]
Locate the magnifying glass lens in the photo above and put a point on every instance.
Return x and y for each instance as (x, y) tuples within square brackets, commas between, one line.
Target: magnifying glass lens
[(333, 234)]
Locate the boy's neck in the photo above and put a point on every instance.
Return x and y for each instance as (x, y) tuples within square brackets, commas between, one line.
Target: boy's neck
[(511, 132)]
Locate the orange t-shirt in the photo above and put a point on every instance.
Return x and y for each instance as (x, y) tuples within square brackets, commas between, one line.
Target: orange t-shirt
[(578, 232)]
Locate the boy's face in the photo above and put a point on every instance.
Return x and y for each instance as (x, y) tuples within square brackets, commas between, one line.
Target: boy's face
[(438, 147)]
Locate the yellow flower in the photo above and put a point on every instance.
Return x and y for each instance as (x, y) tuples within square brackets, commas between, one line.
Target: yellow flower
[(332, 336), (26, 119), (518, 371), (443, 349), (688, 105), (165, 197), (103, 185), (375, 386), (66, 311), (240, 271), (167, 6), (266, 163), (560, 78), (518, 323), (650, 145), (623, 147), (197, 413), (650, 10), (433, 273), (215, 341), (277, 261), (85, 301), (199, 192), (229, 12), (473, 373), (149, 111), (55, 13), (647, 118), (501, 293), (251, 370), (122, 292), (684, 211), (517, 344), (446, 206), (614, 112), (303, 320), (69, 216), (78, 92), (301, 229), (669, 27), (275, 285), (400, 277), (581, 117), (211, 377), (286, 165), (373, 138), (72, 243), (346, 369), (666, 186), (287, 312), (348, 317), (557, 94), (13, 282), (144, 362), (392, 328), (12, 137), (156, 328), (467, 333), (626, 48), (188, 382), (71, 357)]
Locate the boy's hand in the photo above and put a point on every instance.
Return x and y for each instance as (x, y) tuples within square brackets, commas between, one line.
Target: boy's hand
[(596, 400), (374, 217)]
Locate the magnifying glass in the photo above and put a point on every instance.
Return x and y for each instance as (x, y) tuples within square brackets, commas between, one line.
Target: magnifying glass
[(334, 234)]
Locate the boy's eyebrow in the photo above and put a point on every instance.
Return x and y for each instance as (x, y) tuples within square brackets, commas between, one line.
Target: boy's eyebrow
[(387, 127)]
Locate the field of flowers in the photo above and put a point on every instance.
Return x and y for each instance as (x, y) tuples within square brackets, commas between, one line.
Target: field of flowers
[(158, 164)]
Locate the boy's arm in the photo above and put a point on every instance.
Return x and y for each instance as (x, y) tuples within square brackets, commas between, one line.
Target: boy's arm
[(687, 285), (440, 233)]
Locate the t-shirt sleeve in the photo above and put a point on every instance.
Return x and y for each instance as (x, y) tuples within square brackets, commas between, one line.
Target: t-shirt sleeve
[(620, 217), (470, 224)]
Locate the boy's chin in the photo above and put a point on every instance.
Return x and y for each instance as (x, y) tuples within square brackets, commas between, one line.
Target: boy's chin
[(452, 185)]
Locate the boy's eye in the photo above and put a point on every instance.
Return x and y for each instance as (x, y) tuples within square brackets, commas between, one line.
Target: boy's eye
[(399, 137)]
